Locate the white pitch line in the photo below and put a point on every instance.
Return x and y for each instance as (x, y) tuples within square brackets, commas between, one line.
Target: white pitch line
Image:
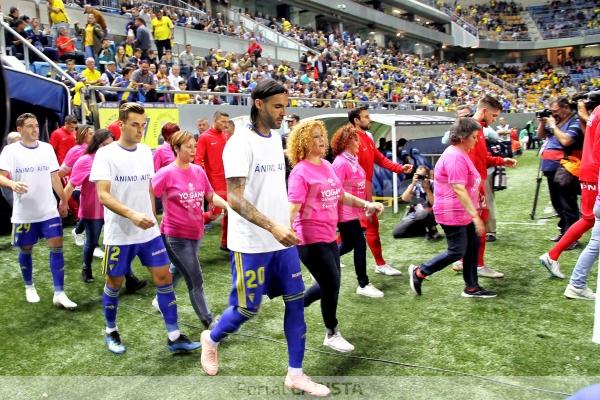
[(540, 222)]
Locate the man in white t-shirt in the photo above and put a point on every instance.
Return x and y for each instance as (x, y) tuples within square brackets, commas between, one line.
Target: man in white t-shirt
[(122, 172), (264, 258), (33, 171)]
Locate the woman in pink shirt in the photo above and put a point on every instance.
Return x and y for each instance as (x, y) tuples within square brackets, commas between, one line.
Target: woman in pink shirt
[(315, 194), (163, 155), (183, 187), (91, 212), (344, 145), (456, 186)]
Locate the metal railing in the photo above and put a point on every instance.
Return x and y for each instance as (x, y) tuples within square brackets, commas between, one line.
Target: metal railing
[(177, 5), (509, 88)]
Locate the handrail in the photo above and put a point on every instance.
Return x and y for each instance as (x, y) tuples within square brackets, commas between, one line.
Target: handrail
[(512, 89), (5, 26)]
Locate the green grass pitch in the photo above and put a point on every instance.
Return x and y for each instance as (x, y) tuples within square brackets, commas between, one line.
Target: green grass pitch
[(530, 335)]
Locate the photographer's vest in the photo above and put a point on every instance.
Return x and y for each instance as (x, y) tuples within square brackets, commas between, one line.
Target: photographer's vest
[(553, 151)]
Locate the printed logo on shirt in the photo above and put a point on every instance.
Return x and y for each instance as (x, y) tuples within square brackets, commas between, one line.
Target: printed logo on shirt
[(262, 168), (330, 197), (192, 198), (132, 178), (213, 143), (28, 170)]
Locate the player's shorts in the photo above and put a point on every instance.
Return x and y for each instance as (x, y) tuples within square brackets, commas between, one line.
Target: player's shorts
[(117, 259), (589, 192), (274, 273), (29, 234)]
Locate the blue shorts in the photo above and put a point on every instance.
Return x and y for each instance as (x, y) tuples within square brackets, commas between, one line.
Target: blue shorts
[(275, 274), (117, 259), (29, 234)]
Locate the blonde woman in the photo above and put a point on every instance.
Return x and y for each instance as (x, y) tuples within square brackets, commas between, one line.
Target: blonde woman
[(316, 195)]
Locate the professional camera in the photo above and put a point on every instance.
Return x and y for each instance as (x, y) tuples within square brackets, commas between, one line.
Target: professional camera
[(545, 113), (590, 99), (420, 177)]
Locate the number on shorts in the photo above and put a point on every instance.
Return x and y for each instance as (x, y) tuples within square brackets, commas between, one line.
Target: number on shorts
[(114, 253), (22, 228), (251, 277)]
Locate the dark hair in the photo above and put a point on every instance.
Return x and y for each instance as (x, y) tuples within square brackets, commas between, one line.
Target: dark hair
[(168, 130), (70, 119), (489, 102), (219, 114), (355, 113), (141, 20), (127, 108), (99, 137), (563, 102), (264, 89), (341, 137), (462, 128), (126, 70), (23, 117), (81, 132)]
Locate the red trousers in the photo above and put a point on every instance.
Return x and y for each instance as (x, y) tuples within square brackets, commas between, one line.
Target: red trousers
[(372, 236)]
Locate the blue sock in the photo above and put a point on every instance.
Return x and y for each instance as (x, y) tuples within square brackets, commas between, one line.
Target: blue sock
[(295, 331), (231, 320), (57, 264), (26, 264), (168, 306), (110, 301)]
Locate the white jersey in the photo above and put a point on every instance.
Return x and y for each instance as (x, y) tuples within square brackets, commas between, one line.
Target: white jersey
[(129, 173), (260, 160), (33, 166)]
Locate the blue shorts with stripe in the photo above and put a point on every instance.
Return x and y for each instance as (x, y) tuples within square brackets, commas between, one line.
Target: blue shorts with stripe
[(29, 234), (117, 259), (274, 273)]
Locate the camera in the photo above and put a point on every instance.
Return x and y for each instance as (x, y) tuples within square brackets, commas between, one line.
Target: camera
[(590, 99), (545, 113), (420, 177)]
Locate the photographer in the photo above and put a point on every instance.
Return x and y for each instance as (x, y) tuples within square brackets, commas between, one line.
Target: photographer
[(562, 130), (419, 217)]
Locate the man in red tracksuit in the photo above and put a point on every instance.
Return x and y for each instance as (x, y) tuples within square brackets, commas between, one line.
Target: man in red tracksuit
[(63, 138), (588, 180), (368, 156), (209, 155), (488, 109)]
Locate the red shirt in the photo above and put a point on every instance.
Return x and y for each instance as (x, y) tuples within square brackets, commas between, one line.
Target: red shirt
[(368, 156), (209, 155), (253, 47), (68, 48), (61, 141), (481, 157), (590, 161), (115, 129)]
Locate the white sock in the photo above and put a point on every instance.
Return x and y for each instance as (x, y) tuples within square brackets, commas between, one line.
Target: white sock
[(174, 335), (212, 342), (110, 330), (29, 286), (56, 293), (294, 371)]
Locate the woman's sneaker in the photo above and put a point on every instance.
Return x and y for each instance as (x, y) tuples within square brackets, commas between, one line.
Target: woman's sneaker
[(584, 293), (338, 343), (480, 293), (415, 281), (369, 291)]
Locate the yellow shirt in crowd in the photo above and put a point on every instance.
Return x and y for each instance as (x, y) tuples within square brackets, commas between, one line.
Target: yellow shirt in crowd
[(161, 29), (89, 35), (91, 76), (60, 16), (182, 98)]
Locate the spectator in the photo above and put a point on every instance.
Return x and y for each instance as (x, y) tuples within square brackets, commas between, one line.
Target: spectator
[(146, 82), (40, 40), (66, 47), (128, 45), (98, 17), (110, 73), (70, 71), (92, 37), (254, 50), (143, 39), (153, 58), (124, 81), (106, 54), (13, 15), (57, 15), (90, 75), (186, 61), (162, 30), (183, 98), (174, 78), (202, 125), (121, 58)]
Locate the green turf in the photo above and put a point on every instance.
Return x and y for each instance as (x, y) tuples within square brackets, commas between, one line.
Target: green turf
[(530, 330)]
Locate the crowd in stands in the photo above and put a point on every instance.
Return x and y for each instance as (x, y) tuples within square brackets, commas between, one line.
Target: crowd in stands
[(567, 18), (497, 20), (342, 71)]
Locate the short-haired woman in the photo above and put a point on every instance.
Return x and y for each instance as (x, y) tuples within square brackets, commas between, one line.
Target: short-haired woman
[(315, 194), (455, 207), (183, 187)]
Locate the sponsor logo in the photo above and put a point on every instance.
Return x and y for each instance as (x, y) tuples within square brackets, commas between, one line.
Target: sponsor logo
[(155, 253), (297, 275)]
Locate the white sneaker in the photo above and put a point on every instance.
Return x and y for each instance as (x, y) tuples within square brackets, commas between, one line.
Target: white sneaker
[(78, 237), (487, 272), (369, 291), (457, 266), (338, 343), (98, 253), (304, 384), (342, 265), (551, 265), (155, 304), (387, 269), (31, 295), (61, 300), (584, 293)]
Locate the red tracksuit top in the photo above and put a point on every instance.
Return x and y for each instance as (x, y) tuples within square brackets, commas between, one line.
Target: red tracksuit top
[(209, 155), (481, 157), (368, 156)]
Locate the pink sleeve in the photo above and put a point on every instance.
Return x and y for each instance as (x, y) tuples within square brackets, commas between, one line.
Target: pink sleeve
[(297, 188), (157, 159), (340, 168), (80, 171), (158, 182), (69, 160), (457, 169)]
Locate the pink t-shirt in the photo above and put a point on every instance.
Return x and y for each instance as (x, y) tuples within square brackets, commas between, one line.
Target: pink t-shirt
[(163, 156), (352, 176), (454, 166), (73, 155), (89, 205), (183, 192), (319, 191)]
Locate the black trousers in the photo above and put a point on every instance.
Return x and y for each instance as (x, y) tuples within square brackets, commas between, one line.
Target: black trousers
[(463, 242), (323, 262), (564, 201), (161, 46), (353, 238)]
